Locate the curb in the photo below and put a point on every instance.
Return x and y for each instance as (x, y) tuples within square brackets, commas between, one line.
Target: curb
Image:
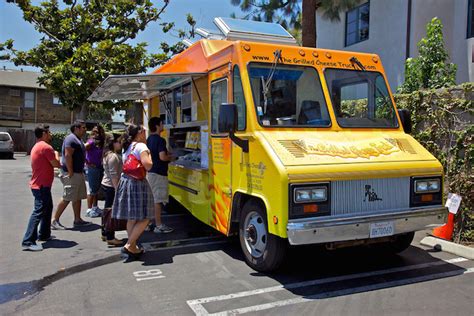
[(448, 246)]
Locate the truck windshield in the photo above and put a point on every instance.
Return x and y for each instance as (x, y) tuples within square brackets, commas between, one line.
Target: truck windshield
[(288, 96), (360, 99)]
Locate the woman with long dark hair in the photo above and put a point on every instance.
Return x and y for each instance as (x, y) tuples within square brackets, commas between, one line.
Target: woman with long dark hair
[(134, 199), (94, 151), (112, 163)]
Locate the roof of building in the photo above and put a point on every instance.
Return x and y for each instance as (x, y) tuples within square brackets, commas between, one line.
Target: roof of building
[(18, 78)]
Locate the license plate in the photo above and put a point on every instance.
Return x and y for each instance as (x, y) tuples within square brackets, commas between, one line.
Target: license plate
[(381, 229)]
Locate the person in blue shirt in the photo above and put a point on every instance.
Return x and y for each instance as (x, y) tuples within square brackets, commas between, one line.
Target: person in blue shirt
[(158, 175)]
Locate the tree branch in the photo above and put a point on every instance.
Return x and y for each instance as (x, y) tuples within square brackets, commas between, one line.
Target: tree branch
[(42, 29), (145, 22)]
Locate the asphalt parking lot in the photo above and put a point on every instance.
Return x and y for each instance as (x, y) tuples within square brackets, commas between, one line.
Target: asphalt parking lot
[(196, 271)]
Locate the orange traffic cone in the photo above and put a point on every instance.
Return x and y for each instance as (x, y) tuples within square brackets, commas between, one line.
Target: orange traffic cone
[(445, 231)]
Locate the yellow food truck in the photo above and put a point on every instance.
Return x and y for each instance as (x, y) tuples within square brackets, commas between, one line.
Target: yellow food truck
[(283, 144)]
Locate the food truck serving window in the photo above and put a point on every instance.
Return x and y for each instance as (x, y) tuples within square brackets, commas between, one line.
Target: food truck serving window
[(360, 99), (287, 95)]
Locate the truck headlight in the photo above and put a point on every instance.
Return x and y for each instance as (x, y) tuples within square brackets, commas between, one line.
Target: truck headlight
[(310, 194), (427, 186)]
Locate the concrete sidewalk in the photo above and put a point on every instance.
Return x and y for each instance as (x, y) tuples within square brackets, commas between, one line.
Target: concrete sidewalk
[(69, 248), (72, 250)]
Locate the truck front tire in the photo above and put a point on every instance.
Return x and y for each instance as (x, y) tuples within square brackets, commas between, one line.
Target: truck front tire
[(263, 251)]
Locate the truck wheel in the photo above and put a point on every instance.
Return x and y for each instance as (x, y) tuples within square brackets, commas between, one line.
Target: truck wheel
[(263, 251), (401, 243)]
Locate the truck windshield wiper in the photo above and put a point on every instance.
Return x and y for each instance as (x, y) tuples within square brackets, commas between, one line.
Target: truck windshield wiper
[(266, 82), (354, 60)]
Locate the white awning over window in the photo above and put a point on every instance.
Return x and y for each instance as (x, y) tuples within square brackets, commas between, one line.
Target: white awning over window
[(139, 87)]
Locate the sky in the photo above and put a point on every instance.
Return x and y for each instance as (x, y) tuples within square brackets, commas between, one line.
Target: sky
[(26, 37)]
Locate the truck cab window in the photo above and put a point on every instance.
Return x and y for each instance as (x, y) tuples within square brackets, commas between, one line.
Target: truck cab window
[(360, 99), (286, 95)]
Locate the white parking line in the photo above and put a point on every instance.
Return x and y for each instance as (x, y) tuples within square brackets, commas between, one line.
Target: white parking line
[(353, 290), (196, 305)]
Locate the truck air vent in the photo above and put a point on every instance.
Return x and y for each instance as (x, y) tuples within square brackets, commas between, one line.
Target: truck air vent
[(292, 148), (405, 146)]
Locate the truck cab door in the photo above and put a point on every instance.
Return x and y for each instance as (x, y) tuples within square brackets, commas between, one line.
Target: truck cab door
[(220, 164)]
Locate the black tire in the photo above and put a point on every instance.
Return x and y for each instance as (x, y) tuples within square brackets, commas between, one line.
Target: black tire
[(263, 251), (401, 243), (10, 155)]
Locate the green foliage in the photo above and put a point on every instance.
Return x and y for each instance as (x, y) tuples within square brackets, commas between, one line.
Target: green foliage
[(443, 123), (429, 70), (84, 42), (57, 141)]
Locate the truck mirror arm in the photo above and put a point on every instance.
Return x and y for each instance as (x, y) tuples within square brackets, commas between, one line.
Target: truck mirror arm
[(242, 143)]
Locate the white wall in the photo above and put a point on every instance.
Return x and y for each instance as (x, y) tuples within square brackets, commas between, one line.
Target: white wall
[(387, 36), (388, 30)]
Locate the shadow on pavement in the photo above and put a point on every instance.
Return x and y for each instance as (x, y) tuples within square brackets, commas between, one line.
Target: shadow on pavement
[(59, 243), (88, 228)]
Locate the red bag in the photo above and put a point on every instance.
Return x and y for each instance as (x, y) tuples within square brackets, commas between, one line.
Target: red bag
[(133, 167)]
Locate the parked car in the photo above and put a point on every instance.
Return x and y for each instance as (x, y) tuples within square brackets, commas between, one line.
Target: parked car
[(6, 145)]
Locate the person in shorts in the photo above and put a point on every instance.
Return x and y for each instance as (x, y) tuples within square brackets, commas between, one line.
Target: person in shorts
[(72, 176), (158, 175), (43, 161)]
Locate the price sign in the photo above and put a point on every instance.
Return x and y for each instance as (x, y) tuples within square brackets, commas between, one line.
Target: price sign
[(453, 203)]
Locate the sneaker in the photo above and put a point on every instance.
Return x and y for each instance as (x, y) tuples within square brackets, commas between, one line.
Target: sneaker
[(33, 247), (88, 212), (95, 212), (56, 225), (163, 229), (150, 227), (81, 224)]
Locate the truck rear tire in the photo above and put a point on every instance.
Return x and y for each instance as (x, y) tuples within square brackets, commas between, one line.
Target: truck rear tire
[(263, 251)]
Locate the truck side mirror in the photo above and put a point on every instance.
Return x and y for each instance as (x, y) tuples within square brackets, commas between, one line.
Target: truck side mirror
[(405, 117), (227, 118), (227, 123)]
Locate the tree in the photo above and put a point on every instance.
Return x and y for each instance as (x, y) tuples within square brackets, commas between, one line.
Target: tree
[(430, 70), (295, 17), (83, 43)]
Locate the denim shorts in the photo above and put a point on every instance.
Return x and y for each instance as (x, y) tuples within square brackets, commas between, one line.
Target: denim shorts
[(94, 177)]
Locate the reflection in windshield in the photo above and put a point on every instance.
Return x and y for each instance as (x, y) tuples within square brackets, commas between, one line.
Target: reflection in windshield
[(293, 96), (360, 99)]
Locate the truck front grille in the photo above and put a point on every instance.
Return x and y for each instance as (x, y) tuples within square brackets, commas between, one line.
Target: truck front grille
[(354, 197)]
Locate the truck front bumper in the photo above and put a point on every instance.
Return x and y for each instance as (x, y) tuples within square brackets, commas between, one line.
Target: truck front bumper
[(321, 230)]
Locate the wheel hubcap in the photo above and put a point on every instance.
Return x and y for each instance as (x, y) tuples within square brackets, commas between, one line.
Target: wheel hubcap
[(255, 234)]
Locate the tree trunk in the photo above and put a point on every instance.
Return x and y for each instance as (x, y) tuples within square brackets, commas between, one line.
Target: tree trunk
[(308, 24)]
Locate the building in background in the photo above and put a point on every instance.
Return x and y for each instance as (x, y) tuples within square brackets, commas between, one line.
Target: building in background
[(24, 103), (392, 29)]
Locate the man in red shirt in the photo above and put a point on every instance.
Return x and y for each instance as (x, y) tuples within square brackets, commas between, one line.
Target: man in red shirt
[(43, 161)]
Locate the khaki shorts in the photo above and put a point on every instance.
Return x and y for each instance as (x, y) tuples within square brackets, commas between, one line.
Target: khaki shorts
[(159, 187), (74, 188)]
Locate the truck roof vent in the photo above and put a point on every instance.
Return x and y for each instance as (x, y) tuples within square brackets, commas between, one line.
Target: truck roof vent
[(237, 30)]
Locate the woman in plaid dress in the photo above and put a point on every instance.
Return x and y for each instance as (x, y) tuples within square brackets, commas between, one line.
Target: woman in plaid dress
[(134, 198)]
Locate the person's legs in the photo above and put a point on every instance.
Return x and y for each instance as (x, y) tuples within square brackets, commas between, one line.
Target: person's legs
[(45, 224), (60, 209), (76, 207), (109, 200), (158, 208), (31, 233), (136, 231)]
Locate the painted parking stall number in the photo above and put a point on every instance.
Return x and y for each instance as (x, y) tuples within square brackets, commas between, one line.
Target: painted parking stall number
[(148, 275)]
